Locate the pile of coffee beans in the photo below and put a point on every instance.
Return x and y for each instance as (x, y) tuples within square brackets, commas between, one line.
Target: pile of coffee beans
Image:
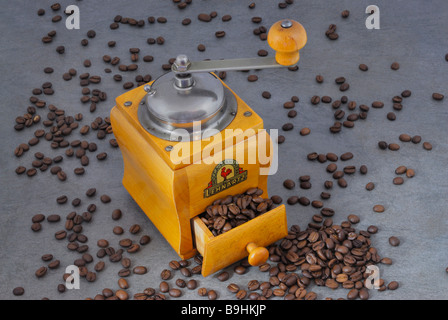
[(229, 212)]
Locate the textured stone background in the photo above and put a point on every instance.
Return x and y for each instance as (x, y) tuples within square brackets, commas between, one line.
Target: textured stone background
[(412, 33)]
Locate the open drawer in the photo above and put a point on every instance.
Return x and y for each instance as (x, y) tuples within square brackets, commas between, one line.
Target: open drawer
[(220, 251)]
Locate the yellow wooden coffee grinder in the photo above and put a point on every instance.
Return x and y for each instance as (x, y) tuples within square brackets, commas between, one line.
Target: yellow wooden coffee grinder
[(187, 140)]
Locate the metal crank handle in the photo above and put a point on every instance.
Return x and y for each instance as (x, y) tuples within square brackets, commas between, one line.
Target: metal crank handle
[(286, 37)]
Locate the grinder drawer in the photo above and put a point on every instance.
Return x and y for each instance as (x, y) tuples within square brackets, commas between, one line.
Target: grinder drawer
[(221, 251)]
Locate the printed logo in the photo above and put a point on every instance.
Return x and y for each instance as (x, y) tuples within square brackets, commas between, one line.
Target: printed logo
[(225, 175)]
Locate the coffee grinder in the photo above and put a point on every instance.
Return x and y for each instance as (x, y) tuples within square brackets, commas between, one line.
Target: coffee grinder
[(194, 103)]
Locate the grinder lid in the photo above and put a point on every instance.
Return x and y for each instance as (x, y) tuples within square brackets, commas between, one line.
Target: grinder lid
[(181, 101), (180, 107)]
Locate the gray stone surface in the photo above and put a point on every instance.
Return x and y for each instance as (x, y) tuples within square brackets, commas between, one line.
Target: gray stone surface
[(412, 33)]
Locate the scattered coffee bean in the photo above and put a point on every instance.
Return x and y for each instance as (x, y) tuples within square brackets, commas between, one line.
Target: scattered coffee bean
[(394, 147), (305, 131), (410, 173), (438, 96), (18, 291), (370, 186), (363, 67), (416, 139), (395, 66), (393, 285), (427, 146), (378, 208), (394, 241)]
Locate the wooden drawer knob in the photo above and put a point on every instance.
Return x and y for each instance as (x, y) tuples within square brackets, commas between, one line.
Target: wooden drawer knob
[(257, 255)]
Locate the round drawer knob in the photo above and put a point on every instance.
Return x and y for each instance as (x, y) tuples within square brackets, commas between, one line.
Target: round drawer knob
[(257, 255)]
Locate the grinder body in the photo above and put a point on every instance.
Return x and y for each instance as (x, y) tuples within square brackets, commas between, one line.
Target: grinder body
[(173, 194)]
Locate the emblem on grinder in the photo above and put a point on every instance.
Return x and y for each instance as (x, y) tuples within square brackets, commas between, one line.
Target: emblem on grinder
[(225, 175)]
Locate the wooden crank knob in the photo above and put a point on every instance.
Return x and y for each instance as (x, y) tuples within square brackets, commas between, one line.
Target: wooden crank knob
[(257, 255), (287, 37)]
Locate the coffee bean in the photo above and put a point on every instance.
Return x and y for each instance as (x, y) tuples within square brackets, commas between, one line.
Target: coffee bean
[(204, 17), (223, 276), (398, 180), (393, 285), (266, 94), (123, 284), (305, 131), (252, 78), (105, 198), (53, 218), (363, 169), (38, 218), (289, 184), (364, 294), (394, 147), (345, 14), (18, 291), (383, 145), (140, 270), (144, 240), (289, 105), (315, 100), (401, 170), (125, 242), (326, 99), (438, 96), (353, 218), (410, 173), (427, 146), (240, 269), (406, 93), (391, 116), (363, 67), (221, 34), (47, 257), (116, 214), (332, 167), (346, 156), (404, 137), (276, 199), (344, 87), (234, 288), (395, 66), (56, 18), (122, 295), (62, 199), (288, 127), (102, 243), (416, 139), (394, 241), (226, 18), (377, 104), (91, 192), (212, 295), (378, 208), (41, 272), (372, 229), (319, 79), (166, 274)]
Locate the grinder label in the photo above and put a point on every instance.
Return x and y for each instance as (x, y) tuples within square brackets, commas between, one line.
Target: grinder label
[(225, 175)]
